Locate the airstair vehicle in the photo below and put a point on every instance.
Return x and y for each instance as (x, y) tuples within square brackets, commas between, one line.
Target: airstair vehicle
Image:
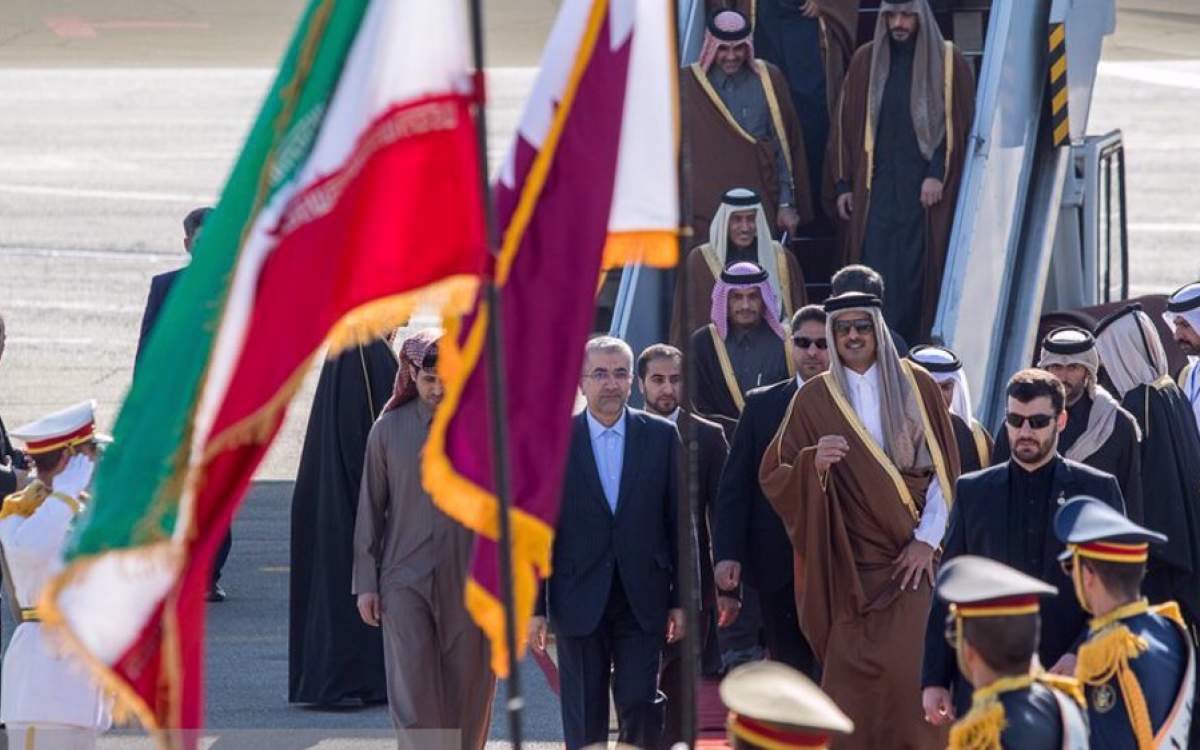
[(1040, 224)]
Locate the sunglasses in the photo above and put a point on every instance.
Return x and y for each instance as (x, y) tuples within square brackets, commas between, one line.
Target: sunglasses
[(1036, 421), (861, 327), (803, 342), (1068, 567)]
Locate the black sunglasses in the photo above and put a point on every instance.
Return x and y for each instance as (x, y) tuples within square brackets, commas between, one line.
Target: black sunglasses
[(951, 633), (861, 327), (1036, 421), (803, 342)]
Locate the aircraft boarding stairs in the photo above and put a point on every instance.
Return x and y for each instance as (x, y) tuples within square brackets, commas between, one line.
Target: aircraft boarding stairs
[(1040, 220)]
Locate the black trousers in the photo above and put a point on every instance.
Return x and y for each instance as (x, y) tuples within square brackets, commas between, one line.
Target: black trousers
[(620, 655), (222, 556), (671, 679), (781, 630)]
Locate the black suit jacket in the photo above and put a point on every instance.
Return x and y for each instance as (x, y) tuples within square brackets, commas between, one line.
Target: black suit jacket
[(978, 526), (748, 529), (160, 287), (638, 540), (711, 454)]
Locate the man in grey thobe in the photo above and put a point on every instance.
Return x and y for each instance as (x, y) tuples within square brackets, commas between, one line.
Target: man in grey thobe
[(410, 568)]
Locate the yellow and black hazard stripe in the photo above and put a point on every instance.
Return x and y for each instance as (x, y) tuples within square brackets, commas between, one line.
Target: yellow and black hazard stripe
[(1060, 116)]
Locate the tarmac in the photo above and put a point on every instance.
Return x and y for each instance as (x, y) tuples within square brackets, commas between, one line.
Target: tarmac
[(122, 115)]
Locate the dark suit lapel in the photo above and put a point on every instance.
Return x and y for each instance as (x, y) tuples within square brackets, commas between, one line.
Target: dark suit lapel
[(631, 463), (586, 460), (1062, 488)]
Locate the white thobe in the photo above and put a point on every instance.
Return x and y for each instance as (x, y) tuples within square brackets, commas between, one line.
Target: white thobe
[(865, 398)]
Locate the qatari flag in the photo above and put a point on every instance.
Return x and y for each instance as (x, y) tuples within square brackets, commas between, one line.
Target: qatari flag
[(591, 182)]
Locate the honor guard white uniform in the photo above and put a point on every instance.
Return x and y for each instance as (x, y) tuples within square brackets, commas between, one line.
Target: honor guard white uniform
[(49, 700)]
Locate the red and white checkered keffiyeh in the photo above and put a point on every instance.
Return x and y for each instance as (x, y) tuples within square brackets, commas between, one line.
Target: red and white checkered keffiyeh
[(727, 23), (413, 353), (755, 277)]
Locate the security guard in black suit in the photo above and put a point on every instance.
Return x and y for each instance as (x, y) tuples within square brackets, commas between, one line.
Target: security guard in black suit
[(1138, 664), (993, 626)]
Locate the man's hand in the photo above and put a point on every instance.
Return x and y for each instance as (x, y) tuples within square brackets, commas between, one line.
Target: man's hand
[(830, 450), (931, 192), (537, 634), (788, 218), (74, 477), (728, 609), (845, 205), (939, 709), (810, 9), (368, 609), (728, 575), (1065, 666), (675, 620), (917, 558)]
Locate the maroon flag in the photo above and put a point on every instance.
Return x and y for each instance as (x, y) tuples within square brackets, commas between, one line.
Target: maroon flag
[(591, 181)]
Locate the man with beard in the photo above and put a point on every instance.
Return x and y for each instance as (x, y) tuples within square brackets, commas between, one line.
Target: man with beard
[(744, 346), (740, 114), (661, 382), (751, 545), (739, 233), (861, 472), (334, 659), (410, 569), (1099, 432), (1006, 513), (1133, 356), (1183, 315), (865, 280), (974, 441), (896, 152), (811, 42)]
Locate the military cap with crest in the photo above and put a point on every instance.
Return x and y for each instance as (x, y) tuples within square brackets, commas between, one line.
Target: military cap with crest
[(771, 705)]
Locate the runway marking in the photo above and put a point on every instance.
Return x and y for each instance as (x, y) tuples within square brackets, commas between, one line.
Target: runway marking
[(116, 195), (76, 27), (50, 252), (53, 304), (1180, 74), (40, 340), (1163, 227)]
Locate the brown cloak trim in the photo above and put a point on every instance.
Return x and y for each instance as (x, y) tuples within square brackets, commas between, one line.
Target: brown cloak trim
[(764, 78), (735, 392)]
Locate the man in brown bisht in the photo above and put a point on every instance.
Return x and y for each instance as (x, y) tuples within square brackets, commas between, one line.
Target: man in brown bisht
[(862, 472), (410, 570), (811, 41), (739, 232), (744, 347), (895, 157), (742, 122)]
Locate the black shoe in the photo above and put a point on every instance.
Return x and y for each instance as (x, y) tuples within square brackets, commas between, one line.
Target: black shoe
[(215, 593)]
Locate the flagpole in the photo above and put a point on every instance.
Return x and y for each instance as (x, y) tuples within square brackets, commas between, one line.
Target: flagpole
[(689, 651), (496, 390)]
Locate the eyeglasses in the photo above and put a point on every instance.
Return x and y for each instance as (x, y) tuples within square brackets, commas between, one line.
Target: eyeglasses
[(803, 342), (1036, 421), (604, 376), (861, 327)]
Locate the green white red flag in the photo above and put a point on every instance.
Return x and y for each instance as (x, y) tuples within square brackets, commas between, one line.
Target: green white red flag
[(356, 198)]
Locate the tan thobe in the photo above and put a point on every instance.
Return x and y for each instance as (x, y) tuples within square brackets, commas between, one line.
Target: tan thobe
[(417, 559)]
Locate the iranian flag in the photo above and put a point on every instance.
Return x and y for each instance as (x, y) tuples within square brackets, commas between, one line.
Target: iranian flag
[(356, 198)]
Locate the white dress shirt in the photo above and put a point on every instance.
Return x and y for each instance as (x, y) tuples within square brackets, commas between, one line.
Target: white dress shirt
[(608, 448), (864, 397)]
